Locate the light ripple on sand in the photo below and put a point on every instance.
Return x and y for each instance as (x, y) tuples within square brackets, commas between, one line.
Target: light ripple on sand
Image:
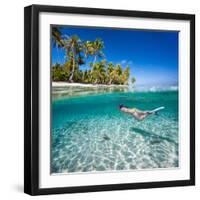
[(82, 146)]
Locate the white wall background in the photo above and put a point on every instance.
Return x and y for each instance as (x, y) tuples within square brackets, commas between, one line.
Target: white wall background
[(11, 100)]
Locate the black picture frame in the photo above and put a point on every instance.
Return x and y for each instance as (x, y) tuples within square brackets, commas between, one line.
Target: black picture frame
[(31, 99)]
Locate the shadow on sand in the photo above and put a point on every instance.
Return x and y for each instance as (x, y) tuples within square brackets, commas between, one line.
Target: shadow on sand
[(155, 138)]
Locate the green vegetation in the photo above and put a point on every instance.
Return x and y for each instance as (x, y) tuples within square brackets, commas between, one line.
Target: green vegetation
[(78, 53)]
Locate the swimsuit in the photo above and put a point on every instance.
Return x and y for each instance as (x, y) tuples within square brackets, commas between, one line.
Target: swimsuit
[(133, 109)]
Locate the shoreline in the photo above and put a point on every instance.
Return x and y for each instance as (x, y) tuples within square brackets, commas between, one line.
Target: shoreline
[(66, 84), (69, 88)]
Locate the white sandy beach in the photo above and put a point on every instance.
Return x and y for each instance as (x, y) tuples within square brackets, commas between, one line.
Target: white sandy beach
[(66, 84)]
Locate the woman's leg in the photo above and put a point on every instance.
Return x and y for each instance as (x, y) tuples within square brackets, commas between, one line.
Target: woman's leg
[(139, 115)]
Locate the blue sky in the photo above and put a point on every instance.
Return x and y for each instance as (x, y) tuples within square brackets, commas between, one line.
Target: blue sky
[(151, 55)]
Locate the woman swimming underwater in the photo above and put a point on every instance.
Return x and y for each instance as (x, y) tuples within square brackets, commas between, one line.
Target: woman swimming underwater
[(138, 114)]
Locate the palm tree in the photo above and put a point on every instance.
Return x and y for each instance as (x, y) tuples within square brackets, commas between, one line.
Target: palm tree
[(96, 49), (57, 40), (98, 72), (88, 48), (58, 74), (77, 53), (118, 73), (73, 49), (57, 37), (125, 75), (110, 73)]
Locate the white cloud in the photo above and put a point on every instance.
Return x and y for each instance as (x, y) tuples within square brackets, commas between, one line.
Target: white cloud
[(123, 61), (126, 62)]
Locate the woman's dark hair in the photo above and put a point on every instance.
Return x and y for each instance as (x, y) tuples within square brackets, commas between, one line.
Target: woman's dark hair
[(121, 106)]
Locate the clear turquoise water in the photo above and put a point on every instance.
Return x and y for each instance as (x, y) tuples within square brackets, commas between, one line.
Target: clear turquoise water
[(90, 133)]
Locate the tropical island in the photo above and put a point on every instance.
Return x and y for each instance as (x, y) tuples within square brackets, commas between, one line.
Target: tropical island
[(90, 53)]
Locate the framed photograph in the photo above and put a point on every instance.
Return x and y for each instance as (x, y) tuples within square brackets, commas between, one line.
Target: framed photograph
[(109, 100)]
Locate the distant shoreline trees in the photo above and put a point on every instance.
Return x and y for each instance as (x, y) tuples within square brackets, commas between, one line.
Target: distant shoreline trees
[(77, 53)]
